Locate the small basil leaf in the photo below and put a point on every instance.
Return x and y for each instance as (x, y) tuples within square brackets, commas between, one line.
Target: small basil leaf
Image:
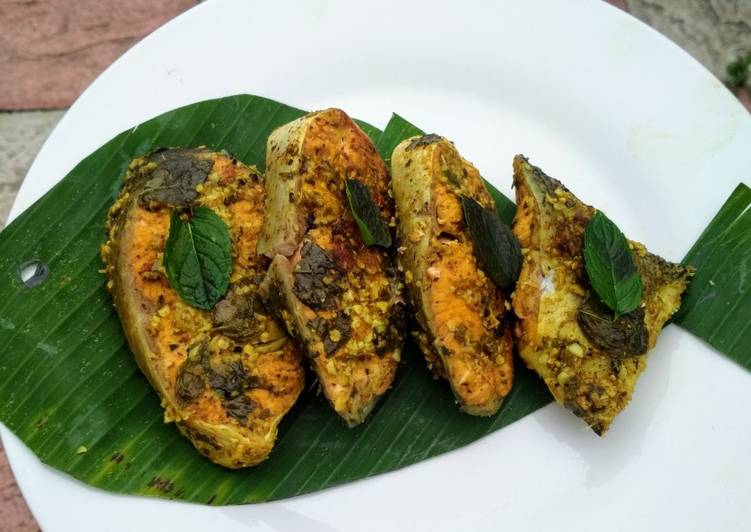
[(198, 257), (366, 213), (495, 245), (173, 176), (316, 276), (610, 265), (626, 336)]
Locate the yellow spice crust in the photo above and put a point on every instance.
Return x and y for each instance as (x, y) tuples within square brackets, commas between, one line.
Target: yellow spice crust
[(550, 223), (464, 327), (173, 330), (313, 157)]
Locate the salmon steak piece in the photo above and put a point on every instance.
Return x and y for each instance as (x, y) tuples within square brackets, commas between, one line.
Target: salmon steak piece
[(589, 360), (225, 375), (340, 298), (463, 320)]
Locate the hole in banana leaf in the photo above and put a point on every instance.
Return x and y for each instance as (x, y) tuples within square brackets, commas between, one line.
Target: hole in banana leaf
[(33, 272)]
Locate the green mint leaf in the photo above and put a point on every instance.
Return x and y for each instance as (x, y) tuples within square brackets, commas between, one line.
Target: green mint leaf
[(198, 257), (610, 266), (495, 245), (366, 213)]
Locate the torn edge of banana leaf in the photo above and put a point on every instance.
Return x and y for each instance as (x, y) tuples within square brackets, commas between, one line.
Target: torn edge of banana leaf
[(717, 304)]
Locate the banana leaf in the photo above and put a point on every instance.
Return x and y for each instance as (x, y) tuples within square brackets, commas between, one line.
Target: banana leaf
[(70, 389), (717, 305)]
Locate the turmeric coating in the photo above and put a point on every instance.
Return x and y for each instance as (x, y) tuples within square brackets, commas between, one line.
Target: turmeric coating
[(340, 298), (463, 326), (226, 376), (592, 377)]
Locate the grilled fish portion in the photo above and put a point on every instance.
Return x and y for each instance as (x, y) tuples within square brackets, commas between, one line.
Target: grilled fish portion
[(226, 376), (340, 298), (589, 363), (462, 316)]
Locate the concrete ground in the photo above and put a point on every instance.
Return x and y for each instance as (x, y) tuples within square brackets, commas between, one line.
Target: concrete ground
[(21, 136), (74, 41)]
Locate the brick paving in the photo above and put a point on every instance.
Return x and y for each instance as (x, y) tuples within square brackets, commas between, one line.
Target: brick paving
[(21, 137), (14, 514), (51, 50)]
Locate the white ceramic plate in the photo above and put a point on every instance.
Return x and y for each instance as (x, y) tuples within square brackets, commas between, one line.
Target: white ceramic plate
[(620, 114)]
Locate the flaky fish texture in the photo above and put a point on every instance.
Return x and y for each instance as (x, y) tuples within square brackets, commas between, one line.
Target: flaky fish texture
[(589, 362), (340, 298), (463, 318), (228, 375)]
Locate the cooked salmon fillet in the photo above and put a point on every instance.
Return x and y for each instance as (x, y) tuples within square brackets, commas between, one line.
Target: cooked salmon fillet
[(593, 376), (340, 298), (463, 318), (226, 376)]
